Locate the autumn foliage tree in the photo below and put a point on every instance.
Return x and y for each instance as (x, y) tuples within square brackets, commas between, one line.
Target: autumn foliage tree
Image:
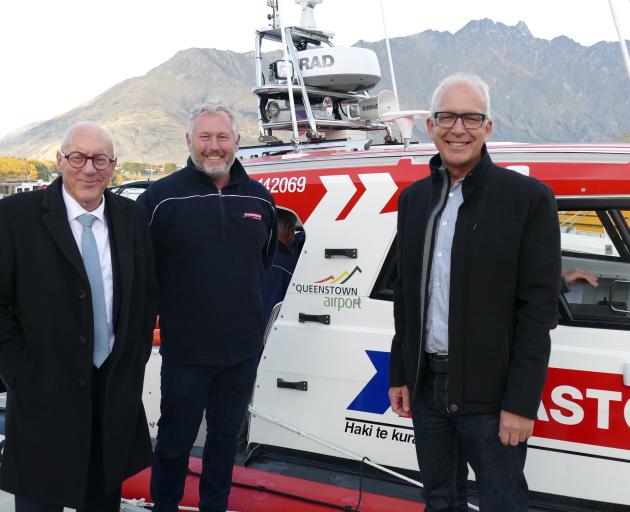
[(29, 170), (17, 169), (44, 168)]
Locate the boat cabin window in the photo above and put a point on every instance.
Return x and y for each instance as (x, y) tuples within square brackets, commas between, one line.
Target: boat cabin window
[(596, 239), (384, 286)]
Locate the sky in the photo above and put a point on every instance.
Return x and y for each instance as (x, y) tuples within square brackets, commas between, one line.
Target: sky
[(56, 55)]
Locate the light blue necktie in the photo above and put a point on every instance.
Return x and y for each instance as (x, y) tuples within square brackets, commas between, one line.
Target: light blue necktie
[(89, 252)]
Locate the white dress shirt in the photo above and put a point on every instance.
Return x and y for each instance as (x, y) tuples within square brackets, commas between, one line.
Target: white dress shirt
[(101, 234)]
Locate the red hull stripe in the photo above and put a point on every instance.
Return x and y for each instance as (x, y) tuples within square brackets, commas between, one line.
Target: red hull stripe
[(249, 500)]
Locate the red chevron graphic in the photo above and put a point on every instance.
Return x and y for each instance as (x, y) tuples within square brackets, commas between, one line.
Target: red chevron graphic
[(354, 199), (303, 204), (404, 174)]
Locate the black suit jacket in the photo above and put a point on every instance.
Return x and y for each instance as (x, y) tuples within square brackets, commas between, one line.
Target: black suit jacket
[(46, 345)]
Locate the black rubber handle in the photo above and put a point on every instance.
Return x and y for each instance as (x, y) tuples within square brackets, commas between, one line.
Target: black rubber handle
[(300, 385), (322, 319), (348, 253)]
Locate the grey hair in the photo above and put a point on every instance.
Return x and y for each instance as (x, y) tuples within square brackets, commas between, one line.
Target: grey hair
[(212, 110), (461, 78)]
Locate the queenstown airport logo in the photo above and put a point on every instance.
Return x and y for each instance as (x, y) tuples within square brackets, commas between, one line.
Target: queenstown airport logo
[(336, 293)]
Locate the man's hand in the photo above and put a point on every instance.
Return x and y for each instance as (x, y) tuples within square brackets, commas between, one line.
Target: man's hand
[(399, 400), (513, 429), (577, 274)]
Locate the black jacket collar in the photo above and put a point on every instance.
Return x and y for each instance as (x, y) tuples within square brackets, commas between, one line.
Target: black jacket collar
[(55, 218), (53, 201), (237, 173), (473, 180)]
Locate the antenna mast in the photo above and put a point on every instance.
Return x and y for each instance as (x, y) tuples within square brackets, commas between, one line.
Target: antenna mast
[(389, 51), (307, 20), (622, 42), (289, 68)]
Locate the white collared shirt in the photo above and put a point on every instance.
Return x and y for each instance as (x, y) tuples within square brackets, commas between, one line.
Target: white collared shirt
[(101, 234)]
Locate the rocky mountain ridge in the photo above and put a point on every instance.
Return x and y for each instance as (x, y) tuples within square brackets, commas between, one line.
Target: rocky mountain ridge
[(542, 91)]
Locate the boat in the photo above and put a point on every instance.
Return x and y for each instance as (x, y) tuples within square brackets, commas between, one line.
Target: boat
[(321, 434), (320, 412), (320, 426)]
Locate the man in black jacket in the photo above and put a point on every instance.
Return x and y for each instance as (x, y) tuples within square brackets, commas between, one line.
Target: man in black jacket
[(78, 300), (214, 231), (479, 276)]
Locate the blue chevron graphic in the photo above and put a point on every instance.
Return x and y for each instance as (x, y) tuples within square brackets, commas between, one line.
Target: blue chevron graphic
[(373, 397)]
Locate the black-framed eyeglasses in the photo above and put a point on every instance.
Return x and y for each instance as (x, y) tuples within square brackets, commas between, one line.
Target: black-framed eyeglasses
[(78, 160), (471, 120)]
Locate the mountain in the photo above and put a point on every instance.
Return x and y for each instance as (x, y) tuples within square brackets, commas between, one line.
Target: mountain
[(147, 115), (542, 91)]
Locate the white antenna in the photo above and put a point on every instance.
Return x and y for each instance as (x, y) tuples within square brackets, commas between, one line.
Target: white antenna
[(290, 71), (622, 42), (273, 17), (307, 19), (389, 51)]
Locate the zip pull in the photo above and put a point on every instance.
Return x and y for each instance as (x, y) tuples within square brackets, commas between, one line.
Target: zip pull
[(475, 226)]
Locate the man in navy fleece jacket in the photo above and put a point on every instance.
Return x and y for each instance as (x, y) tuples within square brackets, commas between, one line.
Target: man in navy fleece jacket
[(214, 231)]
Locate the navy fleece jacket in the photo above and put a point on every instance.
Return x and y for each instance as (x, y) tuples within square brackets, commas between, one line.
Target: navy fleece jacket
[(212, 249)]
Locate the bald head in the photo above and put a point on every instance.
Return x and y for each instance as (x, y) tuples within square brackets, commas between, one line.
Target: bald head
[(88, 130), (84, 144)]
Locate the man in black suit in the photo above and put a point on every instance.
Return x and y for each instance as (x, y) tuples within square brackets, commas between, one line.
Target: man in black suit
[(77, 309)]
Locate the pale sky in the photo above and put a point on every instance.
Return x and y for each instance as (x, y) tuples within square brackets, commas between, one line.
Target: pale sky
[(55, 55)]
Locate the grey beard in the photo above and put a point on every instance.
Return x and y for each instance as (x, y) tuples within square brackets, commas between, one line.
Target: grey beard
[(213, 173)]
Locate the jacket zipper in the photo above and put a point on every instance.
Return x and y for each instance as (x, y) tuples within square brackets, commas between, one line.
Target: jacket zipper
[(426, 263), (221, 207)]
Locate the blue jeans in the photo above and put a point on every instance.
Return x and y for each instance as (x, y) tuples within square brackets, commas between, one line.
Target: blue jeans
[(446, 443), (224, 393)]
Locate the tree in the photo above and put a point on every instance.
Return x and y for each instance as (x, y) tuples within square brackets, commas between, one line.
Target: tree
[(169, 167), (44, 168), (17, 169), (117, 178)]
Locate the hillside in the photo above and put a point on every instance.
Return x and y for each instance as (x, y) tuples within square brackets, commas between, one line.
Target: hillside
[(542, 91)]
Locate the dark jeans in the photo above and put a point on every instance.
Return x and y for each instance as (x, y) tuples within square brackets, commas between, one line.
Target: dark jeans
[(446, 443), (224, 393)]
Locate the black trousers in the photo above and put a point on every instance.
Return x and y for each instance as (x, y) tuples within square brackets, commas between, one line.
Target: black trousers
[(97, 498)]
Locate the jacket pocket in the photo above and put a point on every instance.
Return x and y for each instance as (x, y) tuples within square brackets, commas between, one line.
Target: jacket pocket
[(493, 224)]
